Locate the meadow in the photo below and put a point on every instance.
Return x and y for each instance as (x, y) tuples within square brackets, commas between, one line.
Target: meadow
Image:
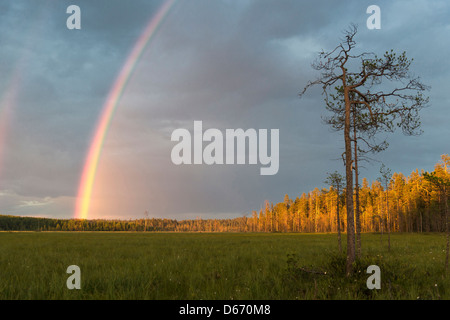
[(238, 266)]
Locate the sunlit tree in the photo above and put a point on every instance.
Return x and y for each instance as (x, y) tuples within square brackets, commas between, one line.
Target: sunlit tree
[(336, 180), (371, 86)]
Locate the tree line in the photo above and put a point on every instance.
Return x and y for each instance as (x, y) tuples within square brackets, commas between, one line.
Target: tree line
[(405, 204)]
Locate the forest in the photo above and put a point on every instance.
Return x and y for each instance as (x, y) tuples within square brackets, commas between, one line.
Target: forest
[(408, 204)]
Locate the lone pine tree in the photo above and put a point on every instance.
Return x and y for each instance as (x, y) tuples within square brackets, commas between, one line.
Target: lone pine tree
[(383, 106), (362, 134)]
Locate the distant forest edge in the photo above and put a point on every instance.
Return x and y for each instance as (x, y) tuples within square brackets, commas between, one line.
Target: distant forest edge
[(410, 204)]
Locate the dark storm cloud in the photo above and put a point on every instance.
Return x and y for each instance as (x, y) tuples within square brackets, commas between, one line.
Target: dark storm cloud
[(64, 78), (229, 63)]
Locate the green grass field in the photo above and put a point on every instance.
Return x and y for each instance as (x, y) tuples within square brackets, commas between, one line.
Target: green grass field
[(216, 266)]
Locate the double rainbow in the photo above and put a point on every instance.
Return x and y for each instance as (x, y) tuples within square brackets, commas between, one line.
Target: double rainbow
[(107, 113)]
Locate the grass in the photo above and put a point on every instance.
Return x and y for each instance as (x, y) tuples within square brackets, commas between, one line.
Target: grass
[(216, 266)]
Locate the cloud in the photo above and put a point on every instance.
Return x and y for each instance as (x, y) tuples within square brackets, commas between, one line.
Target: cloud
[(15, 204), (34, 203), (231, 64)]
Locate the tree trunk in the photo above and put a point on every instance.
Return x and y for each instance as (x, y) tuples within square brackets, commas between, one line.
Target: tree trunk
[(349, 181), (357, 217)]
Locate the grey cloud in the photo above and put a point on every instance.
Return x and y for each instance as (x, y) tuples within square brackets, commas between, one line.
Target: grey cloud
[(229, 63)]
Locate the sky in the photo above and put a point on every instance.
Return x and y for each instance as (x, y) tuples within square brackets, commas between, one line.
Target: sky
[(228, 63)]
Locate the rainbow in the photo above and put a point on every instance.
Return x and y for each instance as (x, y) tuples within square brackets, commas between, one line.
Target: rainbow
[(107, 113)]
